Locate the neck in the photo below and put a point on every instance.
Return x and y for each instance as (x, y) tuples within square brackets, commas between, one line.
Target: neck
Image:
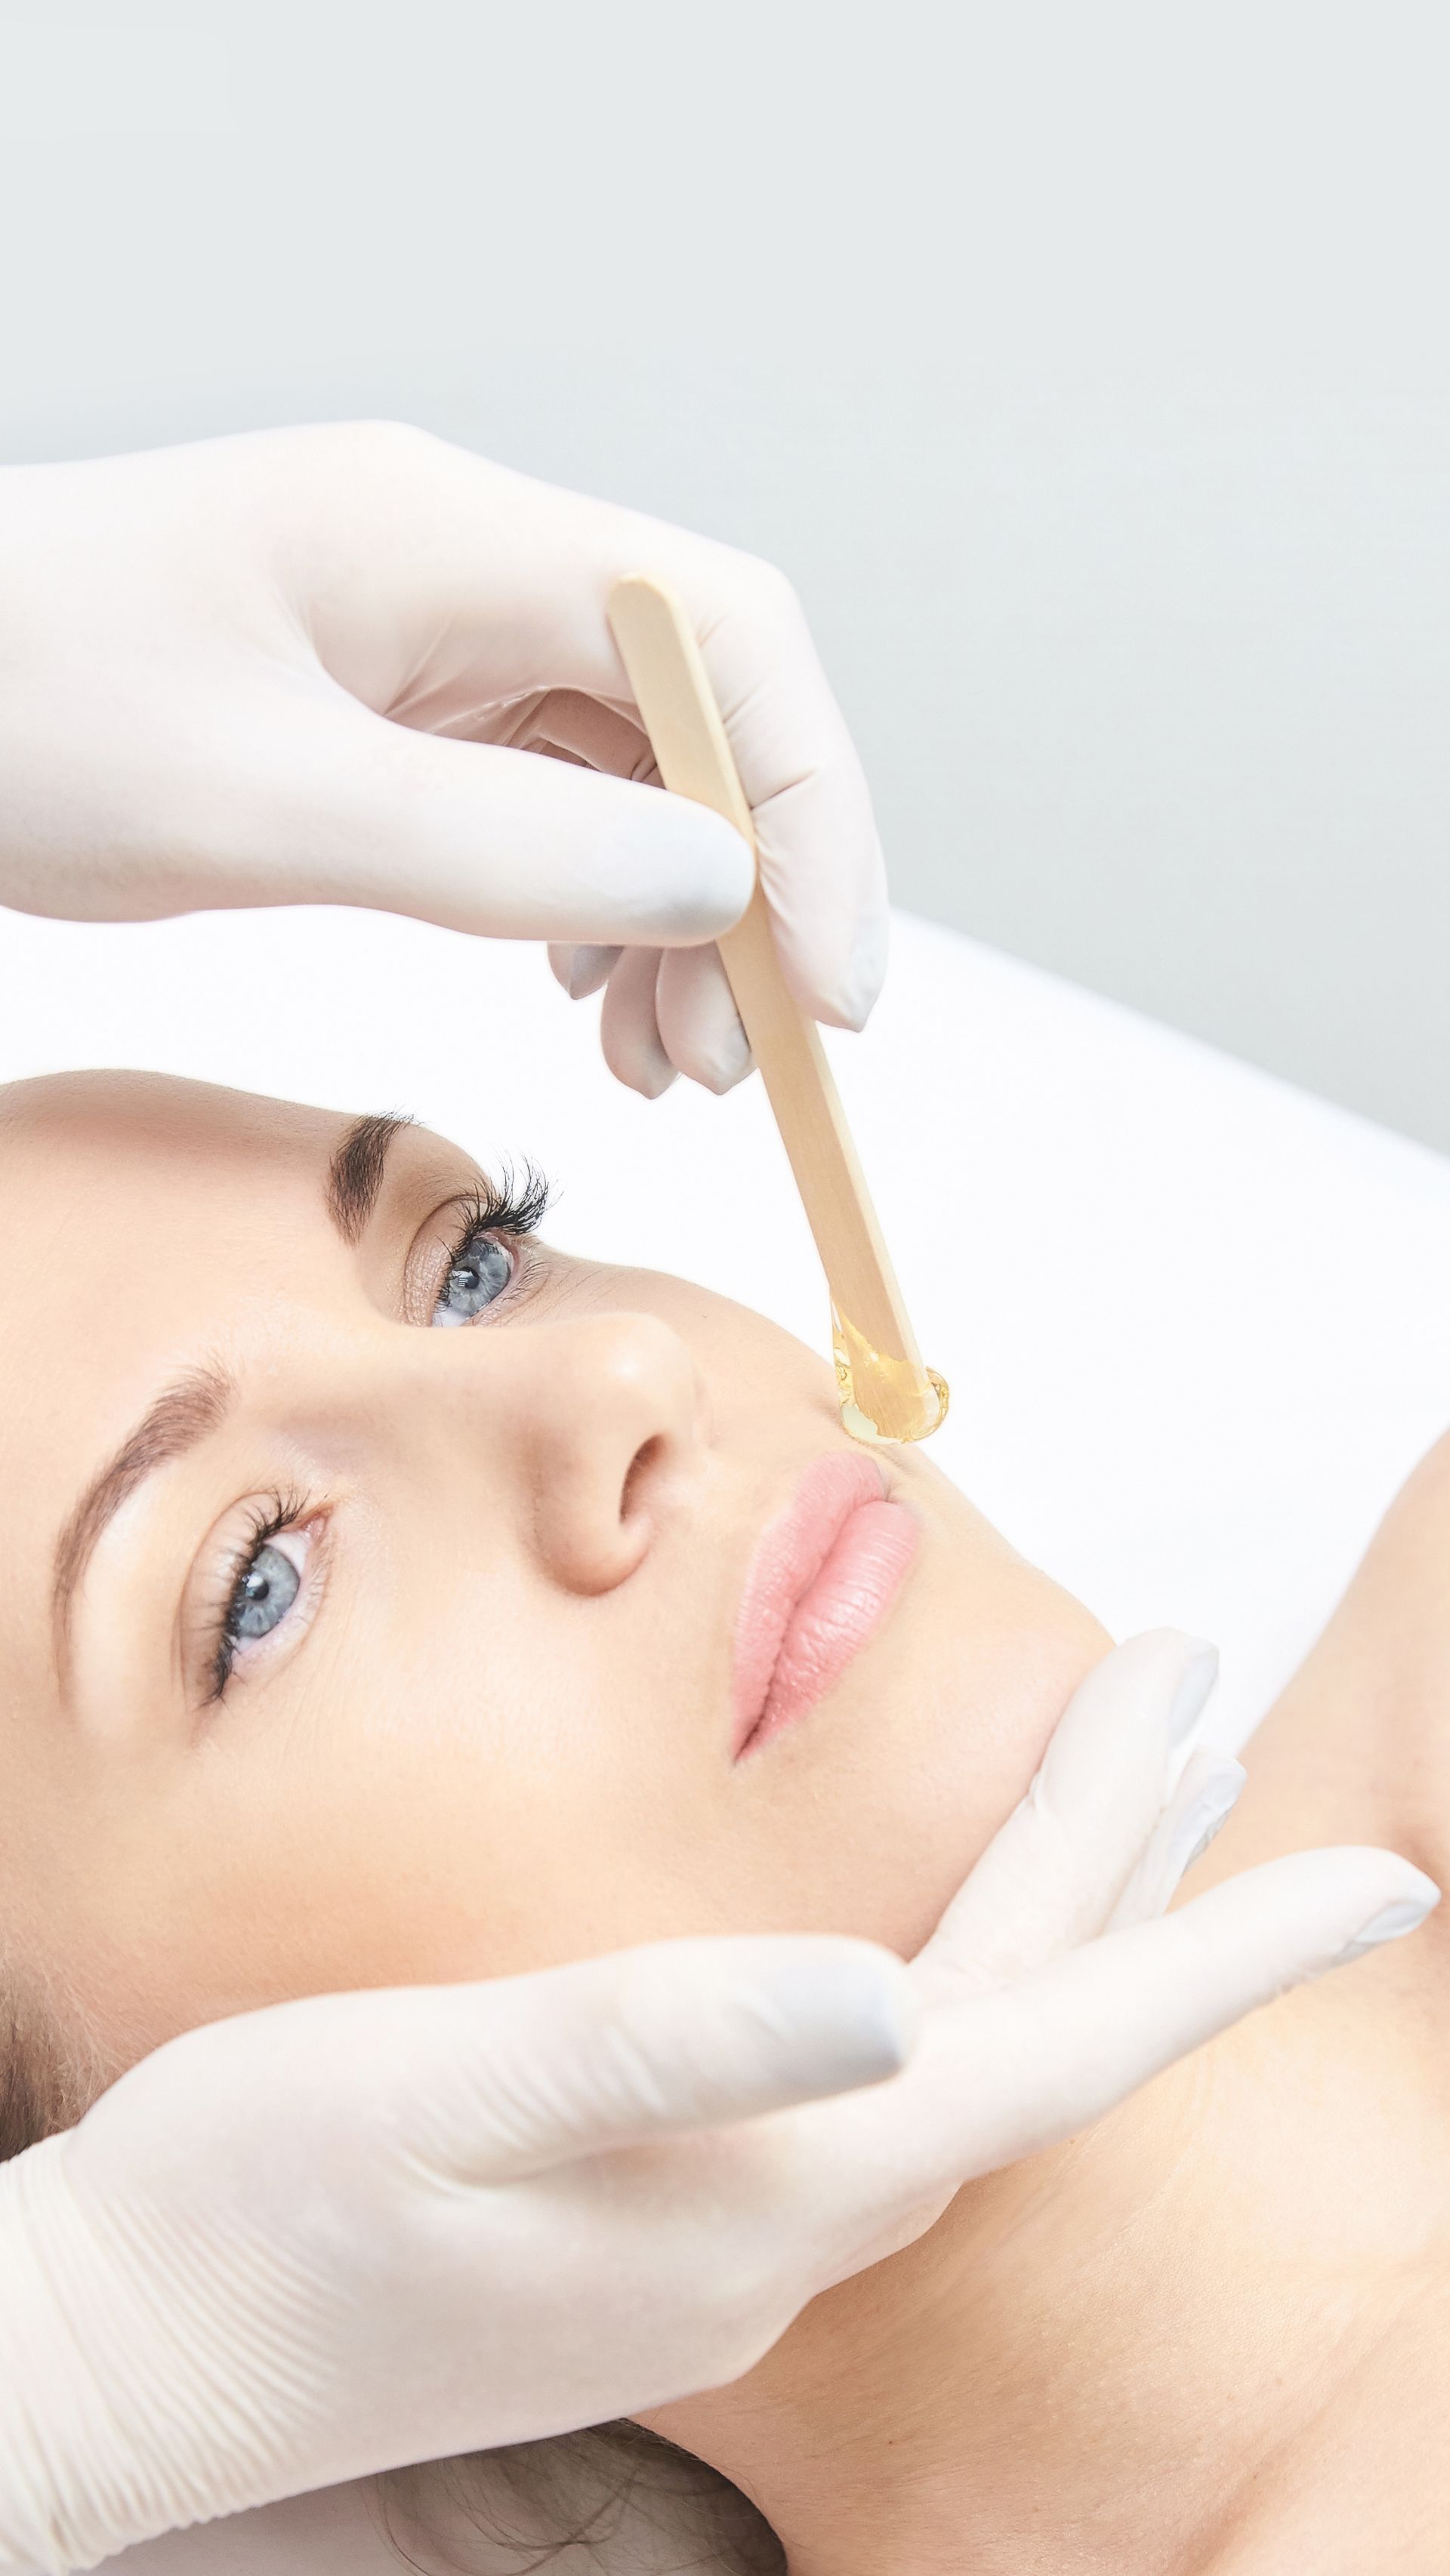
[(1206, 2336)]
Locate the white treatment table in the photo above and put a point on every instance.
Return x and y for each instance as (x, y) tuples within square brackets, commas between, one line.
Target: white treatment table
[(1196, 1323)]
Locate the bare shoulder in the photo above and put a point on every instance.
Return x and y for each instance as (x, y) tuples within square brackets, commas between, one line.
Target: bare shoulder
[(1357, 1748), (1415, 1531), (1397, 1607)]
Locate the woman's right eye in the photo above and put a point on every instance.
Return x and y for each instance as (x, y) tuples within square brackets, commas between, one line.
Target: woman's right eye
[(479, 1271), (264, 1594)]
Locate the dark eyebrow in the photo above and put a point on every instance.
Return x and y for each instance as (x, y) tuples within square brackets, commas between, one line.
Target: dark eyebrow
[(355, 1173), (177, 1420)]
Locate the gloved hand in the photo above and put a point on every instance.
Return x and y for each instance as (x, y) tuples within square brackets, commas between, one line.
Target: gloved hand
[(339, 2235), (200, 652)]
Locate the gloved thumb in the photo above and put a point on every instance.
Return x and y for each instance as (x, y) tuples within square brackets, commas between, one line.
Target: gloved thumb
[(335, 804), (537, 2070)]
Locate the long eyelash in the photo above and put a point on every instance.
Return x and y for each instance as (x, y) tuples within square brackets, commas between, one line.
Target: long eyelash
[(266, 1520), (514, 1204)]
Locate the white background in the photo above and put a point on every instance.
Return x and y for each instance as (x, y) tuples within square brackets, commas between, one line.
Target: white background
[(1086, 366)]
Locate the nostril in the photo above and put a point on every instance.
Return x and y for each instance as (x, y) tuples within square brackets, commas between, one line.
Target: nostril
[(640, 1466)]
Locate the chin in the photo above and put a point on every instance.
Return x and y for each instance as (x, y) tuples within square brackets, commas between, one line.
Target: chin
[(968, 1725)]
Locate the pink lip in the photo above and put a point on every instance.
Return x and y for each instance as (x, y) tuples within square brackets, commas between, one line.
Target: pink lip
[(821, 1581)]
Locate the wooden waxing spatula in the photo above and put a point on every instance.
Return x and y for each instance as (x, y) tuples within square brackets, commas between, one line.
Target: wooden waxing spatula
[(886, 1393)]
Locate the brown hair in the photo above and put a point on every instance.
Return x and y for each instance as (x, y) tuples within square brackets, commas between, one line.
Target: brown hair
[(613, 2498), (37, 2089)]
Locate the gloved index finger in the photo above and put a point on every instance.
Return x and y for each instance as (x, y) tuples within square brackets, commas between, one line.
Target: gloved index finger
[(1002, 2075)]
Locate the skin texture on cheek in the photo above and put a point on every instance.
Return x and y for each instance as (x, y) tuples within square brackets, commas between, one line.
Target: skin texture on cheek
[(506, 1741), (449, 1797), (486, 1815)]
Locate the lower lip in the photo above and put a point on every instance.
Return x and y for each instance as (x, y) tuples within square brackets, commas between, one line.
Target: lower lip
[(820, 1583)]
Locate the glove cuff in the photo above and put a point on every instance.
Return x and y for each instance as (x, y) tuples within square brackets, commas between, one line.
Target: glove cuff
[(78, 2479), (53, 2427)]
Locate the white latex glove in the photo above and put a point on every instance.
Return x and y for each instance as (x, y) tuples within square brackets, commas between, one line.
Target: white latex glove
[(329, 2238), (316, 665)]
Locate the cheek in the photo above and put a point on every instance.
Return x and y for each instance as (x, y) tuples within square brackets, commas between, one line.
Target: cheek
[(995, 1717), (464, 1783), (1028, 1677), (1026, 1660)]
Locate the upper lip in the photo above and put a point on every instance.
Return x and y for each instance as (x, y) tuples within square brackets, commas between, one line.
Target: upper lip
[(802, 1618)]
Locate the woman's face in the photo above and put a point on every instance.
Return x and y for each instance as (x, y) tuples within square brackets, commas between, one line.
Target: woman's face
[(374, 1585)]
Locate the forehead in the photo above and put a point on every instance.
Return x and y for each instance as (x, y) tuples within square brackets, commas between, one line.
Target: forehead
[(140, 1217), (122, 1196), (119, 1127), (145, 1221), (139, 1210)]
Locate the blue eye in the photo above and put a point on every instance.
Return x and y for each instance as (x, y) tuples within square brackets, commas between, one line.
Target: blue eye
[(480, 1269), (263, 1583), (264, 1594)]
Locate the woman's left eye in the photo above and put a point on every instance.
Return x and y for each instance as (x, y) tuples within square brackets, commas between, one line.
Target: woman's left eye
[(480, 1270)]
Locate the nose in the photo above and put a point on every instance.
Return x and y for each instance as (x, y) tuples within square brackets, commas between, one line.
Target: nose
[(605, 1416)]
